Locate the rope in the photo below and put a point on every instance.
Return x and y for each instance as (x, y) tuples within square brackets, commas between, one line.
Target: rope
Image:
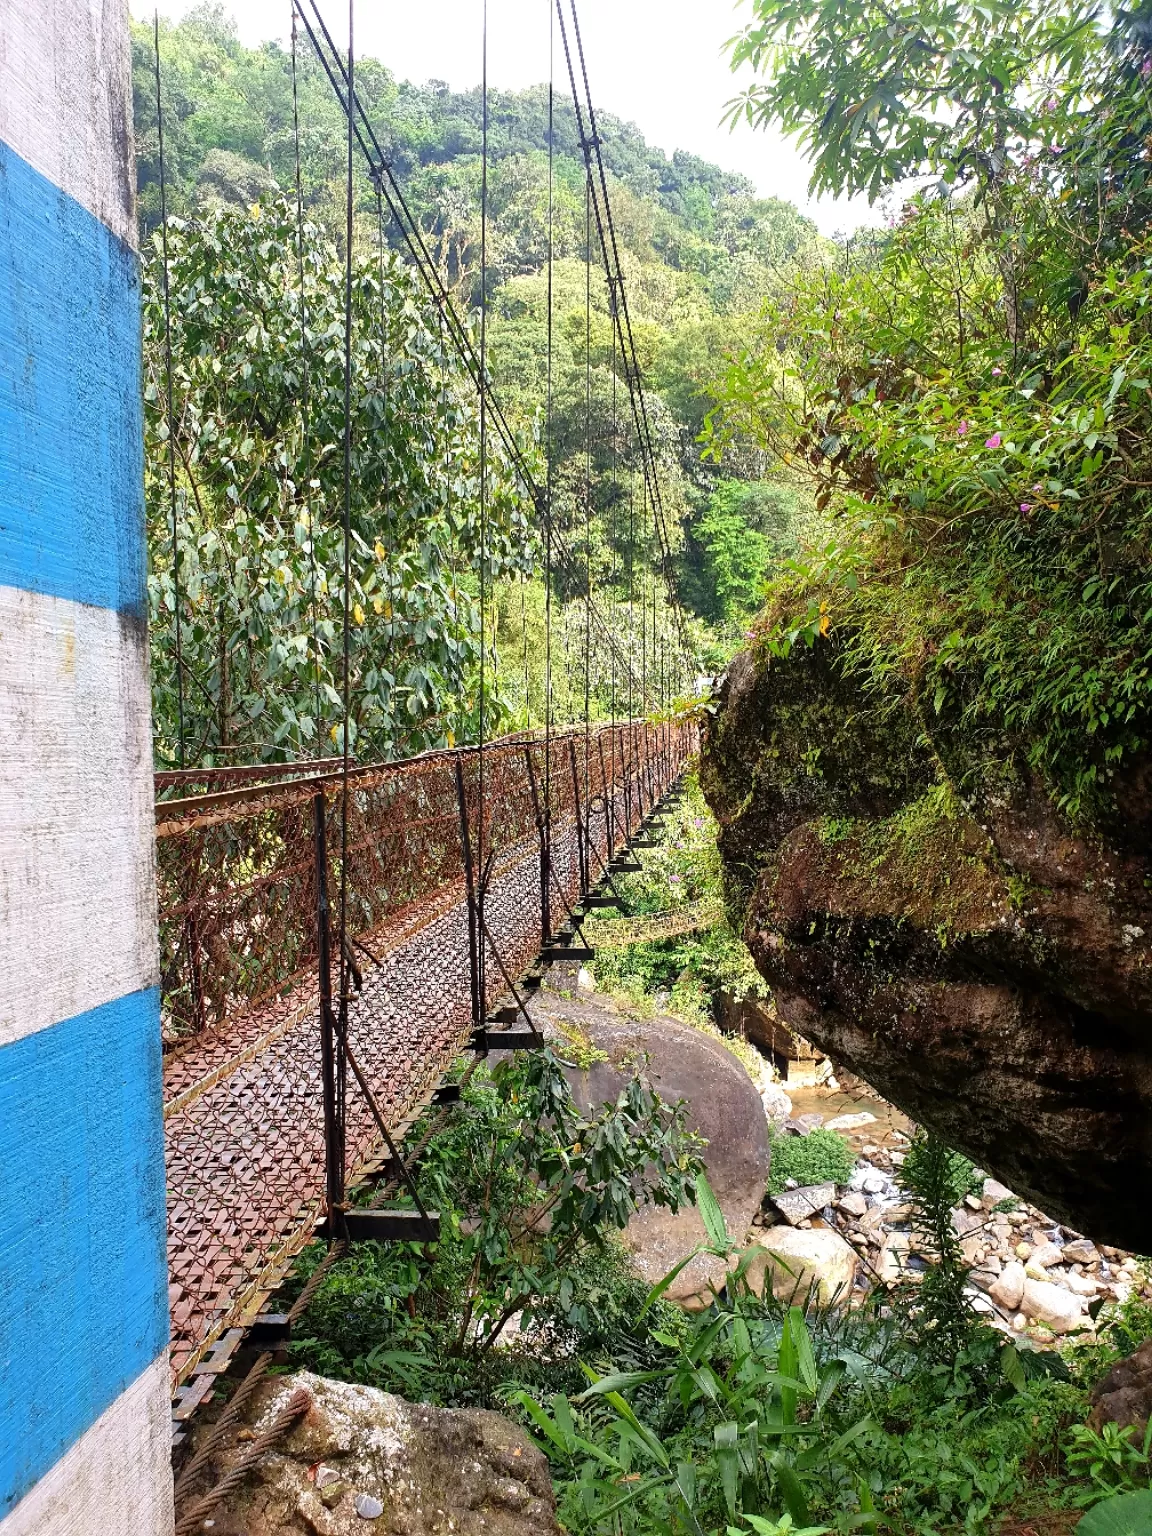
[(295, 1408), (169, 413)]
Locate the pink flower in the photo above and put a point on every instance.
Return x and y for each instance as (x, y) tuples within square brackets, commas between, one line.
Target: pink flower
[(993, 441), (1037, 489), (996, 372), (962, 428), (1146, 68), (1025, 506)]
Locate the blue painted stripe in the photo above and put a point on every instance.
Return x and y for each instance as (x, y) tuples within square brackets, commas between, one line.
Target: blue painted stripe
[(83, 1280), (71, 445)]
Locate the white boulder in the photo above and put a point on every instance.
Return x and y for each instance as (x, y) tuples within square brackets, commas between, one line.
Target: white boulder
[(1052, 1305), (797, 1261), (1008, 1288)]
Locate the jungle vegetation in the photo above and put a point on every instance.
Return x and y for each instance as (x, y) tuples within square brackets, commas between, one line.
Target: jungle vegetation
[(967, 391), (256, 300)]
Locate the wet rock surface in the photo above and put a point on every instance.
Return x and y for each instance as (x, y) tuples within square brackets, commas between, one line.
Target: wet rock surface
[(984, 965), (363, 1460)]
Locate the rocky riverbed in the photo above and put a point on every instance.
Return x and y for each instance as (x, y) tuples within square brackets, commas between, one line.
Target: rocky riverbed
[(1031, 1275)]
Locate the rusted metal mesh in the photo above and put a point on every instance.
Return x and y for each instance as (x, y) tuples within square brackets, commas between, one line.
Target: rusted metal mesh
[(237, 870)]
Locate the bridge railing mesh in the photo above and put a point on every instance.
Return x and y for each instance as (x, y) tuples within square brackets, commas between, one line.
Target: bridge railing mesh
[(237, 867)]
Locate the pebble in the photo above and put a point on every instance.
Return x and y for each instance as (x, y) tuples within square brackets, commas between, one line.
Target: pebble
[(367, 1507)]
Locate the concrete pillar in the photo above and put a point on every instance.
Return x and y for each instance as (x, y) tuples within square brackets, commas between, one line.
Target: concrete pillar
[(84, 1419)]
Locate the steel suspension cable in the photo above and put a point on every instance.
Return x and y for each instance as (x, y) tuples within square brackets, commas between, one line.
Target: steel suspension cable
[(618, 301), (480, 860), (305, 426), (413, 237), (346, 679)]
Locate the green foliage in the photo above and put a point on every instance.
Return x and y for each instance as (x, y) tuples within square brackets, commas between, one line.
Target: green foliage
[(820, 1157), (258, 412), (968, 391), (684, 974), (1112, 1460), (935, 1178), (529, 1192), (742, 1421), (1128, 1514), (880, 92)]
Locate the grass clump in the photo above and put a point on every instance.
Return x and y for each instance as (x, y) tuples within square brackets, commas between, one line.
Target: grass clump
[(821, 1157)]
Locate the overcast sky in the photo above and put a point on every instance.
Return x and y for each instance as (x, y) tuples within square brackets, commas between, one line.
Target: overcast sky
[(656, 63)]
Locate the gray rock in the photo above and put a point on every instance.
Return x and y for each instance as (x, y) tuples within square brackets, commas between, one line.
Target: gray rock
[(850, 1122), (1080, 1252), (724, 1108), (1052, 1305), (853, 1203), (993, 1192), (797, 1205), (416, 1470), (1046, 1254)]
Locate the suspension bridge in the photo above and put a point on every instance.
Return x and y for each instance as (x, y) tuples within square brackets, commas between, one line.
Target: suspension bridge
[(334, 934)]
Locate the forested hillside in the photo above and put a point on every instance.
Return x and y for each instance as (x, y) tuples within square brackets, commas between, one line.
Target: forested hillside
[(699, 252)]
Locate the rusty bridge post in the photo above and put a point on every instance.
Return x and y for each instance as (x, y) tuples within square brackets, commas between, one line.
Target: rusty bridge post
[(470, 893), (581, 830), (542, 831), (333, 1126), (607, 789)]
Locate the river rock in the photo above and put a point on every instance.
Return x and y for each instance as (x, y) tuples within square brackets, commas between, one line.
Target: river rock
[(1052, 1305), (1009, 1286), (800, 1261), (389, 1466), (1081, 1251), (1044, 1255), (849, 1122), (724, 1107), (797, 1205)]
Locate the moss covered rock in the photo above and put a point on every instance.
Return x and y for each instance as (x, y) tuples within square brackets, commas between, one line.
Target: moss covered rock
[(928, 918)]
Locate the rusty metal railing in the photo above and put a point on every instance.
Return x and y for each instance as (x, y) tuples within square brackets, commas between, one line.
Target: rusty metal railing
[(241, 952)]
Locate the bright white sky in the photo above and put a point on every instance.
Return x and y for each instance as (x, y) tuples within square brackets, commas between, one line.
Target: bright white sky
[(656, 63)]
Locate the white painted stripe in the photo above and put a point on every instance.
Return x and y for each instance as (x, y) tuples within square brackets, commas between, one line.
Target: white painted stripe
[(77, 847), (66, 100), (116, 1480)]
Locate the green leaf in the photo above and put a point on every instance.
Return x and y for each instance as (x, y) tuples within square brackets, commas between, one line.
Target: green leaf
[(711, 1214), (1128, 1514)]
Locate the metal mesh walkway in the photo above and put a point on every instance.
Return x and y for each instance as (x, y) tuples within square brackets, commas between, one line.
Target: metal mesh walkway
[(238, 865)]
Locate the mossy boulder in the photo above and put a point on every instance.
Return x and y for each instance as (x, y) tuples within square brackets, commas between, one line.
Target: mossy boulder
[(925, 915)]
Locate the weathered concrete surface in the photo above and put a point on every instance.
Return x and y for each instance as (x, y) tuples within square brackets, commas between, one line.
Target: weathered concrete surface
[(725, 1108), (363, 1460), (984, 966)]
